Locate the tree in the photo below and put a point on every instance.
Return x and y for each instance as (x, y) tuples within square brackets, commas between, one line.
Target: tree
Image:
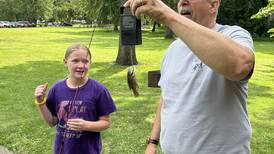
[(37, 9), (30, 10), (62, 11), (172, 4), (76, 10), (235, 12), (11, 9), (126, 53), (266, 12), (103, 10), (109, 10)]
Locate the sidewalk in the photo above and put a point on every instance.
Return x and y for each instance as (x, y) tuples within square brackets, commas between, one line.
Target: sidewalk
[(3, 150)]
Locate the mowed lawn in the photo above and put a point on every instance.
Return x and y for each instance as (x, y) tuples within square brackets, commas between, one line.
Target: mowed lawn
[(31, 56)]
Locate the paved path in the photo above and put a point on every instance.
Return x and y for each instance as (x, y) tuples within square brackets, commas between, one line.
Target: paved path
[(3, 150)]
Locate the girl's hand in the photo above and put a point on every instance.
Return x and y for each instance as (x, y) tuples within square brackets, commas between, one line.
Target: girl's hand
[(76, 124), (84, 125), (40, 92)]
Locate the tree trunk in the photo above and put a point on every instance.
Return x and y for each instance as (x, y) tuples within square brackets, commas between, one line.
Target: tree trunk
[(115, 27), (271, 21), (126, 55), (154, 27), (169, 33)]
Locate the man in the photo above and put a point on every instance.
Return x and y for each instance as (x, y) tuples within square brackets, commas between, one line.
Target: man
[(204, 77)]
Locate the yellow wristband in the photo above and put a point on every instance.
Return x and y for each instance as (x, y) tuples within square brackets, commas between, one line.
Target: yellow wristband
[(43, 102)]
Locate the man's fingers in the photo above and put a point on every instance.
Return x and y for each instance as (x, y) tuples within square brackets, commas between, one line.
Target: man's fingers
[(140, 10), (127, 4), (134, 5)]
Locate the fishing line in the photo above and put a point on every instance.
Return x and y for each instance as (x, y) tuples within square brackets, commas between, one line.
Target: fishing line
[(131, 78), (71, 103)]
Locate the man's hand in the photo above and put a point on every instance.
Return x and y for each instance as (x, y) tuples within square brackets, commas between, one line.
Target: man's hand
[(151, 149), (156, 9)]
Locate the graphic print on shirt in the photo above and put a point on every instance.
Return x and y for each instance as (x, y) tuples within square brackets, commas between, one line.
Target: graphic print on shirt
[(65, 113), (62, 113), (197, 65)]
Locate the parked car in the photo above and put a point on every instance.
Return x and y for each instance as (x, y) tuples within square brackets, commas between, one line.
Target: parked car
[(66, 24), (24, 24), (13, 24), (6, 23), (1, 24), (21, 24)]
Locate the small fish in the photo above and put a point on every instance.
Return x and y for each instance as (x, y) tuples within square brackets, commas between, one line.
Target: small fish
[(131, 80)]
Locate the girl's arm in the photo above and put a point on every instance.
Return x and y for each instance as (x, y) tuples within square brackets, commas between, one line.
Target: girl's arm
[(94, 126), (40, 95), (48, 117)]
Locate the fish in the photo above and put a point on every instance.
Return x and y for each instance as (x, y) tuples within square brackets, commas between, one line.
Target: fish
[(132, 82)]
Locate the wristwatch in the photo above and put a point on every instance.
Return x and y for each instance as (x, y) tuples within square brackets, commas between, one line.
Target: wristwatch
[(152, 141)]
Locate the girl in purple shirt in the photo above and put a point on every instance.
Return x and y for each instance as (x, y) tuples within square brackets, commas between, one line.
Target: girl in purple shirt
[(78, 106)]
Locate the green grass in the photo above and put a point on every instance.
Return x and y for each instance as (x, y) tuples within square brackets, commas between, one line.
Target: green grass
[(261, 99), (31, 56)]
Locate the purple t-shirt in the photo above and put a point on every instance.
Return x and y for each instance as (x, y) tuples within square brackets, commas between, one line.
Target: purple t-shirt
[(93, 100)]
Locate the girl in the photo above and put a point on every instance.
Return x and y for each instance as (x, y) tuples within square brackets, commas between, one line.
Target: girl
[(78, 106)]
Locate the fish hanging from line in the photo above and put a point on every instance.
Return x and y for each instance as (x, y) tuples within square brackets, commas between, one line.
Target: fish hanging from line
[(132, 82)]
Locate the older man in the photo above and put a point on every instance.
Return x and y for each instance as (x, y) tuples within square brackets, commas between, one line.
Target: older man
[(204, 78)]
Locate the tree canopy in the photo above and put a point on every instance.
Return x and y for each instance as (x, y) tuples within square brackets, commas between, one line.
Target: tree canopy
[(266, 12), (235, 12), (25, 9), (232, 12)]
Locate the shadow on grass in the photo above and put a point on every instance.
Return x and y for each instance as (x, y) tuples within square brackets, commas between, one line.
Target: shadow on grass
[(255, 90), (85, 32), (262, 124), (102, 32), (268, 70), (264, 47), (263, 74), (67, 31), (104, 38)]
